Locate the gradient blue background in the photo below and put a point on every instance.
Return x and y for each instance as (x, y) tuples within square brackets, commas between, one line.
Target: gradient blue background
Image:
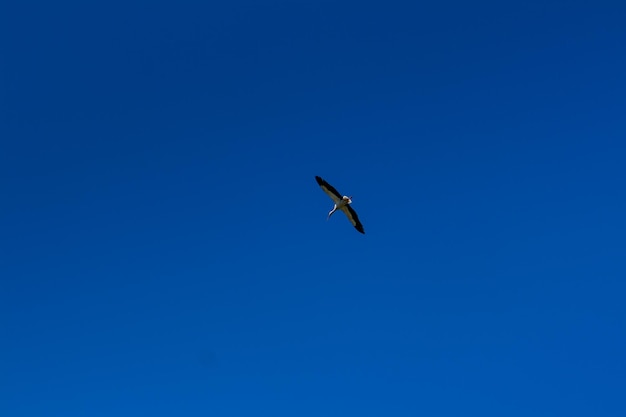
[(164, 245)]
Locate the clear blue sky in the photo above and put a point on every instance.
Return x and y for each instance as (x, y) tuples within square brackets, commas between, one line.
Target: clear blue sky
[(164, 245)]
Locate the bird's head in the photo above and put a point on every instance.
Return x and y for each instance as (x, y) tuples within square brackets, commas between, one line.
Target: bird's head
[(347, 199)]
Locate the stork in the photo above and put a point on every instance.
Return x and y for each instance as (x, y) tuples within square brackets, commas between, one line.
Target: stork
[(342, 202)]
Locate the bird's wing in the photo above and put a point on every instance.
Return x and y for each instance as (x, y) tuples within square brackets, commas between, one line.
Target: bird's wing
[(354, 219), (329, 189)]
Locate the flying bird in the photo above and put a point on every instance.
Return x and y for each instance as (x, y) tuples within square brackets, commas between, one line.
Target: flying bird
[(341, 203)]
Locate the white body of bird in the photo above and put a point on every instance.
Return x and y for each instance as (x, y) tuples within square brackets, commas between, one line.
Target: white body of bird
[(345, 200)]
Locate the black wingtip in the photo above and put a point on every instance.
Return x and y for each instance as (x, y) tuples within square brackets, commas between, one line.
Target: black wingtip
[(360, 229), (319, 180)]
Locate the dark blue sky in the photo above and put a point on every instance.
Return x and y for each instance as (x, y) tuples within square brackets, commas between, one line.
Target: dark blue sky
[(164, 245)]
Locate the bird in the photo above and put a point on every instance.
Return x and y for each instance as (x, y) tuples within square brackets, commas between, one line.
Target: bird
[(342, 202)]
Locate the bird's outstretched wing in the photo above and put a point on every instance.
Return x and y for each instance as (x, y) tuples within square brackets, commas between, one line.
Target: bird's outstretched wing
[(354, 219), (329, 189)]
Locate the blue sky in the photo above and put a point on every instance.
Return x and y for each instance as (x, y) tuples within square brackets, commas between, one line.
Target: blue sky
[(165, 249)]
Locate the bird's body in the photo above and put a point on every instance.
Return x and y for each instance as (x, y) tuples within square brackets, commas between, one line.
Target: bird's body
[(341, 203)]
